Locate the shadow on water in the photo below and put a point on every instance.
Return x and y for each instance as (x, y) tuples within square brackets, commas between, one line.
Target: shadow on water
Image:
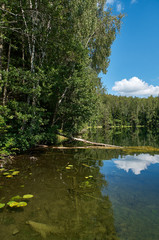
[(68, 201)]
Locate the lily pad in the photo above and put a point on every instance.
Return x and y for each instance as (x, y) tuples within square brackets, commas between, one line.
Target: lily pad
[(2, 205), (68, 168), (2, 169), (71, 166), (9, 176), (21, 204), (15, 173), (16, 198), (12, 204), (6, 173), (27, 196)]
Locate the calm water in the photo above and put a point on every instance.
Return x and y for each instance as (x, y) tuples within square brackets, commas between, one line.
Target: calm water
[(106, 194)]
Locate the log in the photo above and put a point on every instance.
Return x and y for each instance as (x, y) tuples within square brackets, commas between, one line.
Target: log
[(88, 142), (88, 147)]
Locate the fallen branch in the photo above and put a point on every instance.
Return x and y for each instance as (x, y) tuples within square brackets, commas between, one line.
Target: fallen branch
[(88, 147), (88, 142)]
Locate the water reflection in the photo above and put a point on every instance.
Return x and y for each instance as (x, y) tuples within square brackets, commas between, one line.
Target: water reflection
[(124, 136), (83, 194), (134, 197), (68, 202), (136, 163)]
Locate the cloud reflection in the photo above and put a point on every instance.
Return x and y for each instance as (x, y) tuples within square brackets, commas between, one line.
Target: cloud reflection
[(136, 163)]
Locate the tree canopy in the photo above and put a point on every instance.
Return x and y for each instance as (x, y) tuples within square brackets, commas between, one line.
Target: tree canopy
[(50, 55)]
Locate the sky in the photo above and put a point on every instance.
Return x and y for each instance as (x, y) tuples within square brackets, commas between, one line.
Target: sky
[(134, 61)]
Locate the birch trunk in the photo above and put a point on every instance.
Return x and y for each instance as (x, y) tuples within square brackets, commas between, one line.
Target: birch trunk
[(57, 106), (6, 83), (1, 50)]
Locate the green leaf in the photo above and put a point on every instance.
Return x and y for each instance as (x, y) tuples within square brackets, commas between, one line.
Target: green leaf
[(71, 166), (9, 176), (2, 205), (12, 204), (68, 168), (16, 198), (2, 169), (21, 204), (26, 196), (15, 173), (6, 173)]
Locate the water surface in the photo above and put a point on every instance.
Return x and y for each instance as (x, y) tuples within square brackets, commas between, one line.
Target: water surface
[(82, 195)]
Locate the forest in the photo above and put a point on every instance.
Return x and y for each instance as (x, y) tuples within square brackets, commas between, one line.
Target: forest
[(51, 53), (121, 111)]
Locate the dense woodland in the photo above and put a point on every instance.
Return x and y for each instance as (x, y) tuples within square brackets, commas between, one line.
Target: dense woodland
[(51, 53), (120, 111)]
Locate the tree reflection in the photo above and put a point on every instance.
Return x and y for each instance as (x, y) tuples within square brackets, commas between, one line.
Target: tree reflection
[(87, 214), (68, 202)]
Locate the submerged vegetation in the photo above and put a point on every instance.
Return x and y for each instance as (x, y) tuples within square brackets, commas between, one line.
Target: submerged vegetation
[(69, 203)]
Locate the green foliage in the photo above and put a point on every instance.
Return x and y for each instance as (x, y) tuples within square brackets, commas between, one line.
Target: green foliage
[(2, 205), (27, 196), (50, 56), (128, 111)]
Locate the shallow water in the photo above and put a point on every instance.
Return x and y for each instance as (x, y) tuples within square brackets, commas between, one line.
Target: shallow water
[(103, 194), (134, 192)]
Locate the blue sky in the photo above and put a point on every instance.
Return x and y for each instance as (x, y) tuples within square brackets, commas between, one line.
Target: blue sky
[(134, 62)]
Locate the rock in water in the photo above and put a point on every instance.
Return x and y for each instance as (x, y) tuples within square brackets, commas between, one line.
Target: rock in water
[(15, 231), (44, 229)]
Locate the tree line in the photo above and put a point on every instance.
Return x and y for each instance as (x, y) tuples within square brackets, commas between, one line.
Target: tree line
[(122, 111), (50, 55)]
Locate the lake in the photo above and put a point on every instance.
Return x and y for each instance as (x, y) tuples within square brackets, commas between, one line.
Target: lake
[(84, 194)]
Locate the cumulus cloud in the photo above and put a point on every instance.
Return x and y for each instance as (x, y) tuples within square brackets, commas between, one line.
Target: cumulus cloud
[(133, 1), (114, 2), (136, 163), (135, 87), (119, 7), (110, 2)]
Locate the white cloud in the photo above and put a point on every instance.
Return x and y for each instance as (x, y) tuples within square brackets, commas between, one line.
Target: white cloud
[(135, 87), (133, 1), (118, 7), (136, 163), (110, 2)]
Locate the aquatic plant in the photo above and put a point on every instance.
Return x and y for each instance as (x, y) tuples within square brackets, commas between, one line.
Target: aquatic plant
[(2, 205), (15, 198), (10, 173), (68, 168), (71, 166), (2, 169), (16, 204), (6, 173), (15, 173), (12, 204), (27, 196), (21, 204), (9, 176)]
